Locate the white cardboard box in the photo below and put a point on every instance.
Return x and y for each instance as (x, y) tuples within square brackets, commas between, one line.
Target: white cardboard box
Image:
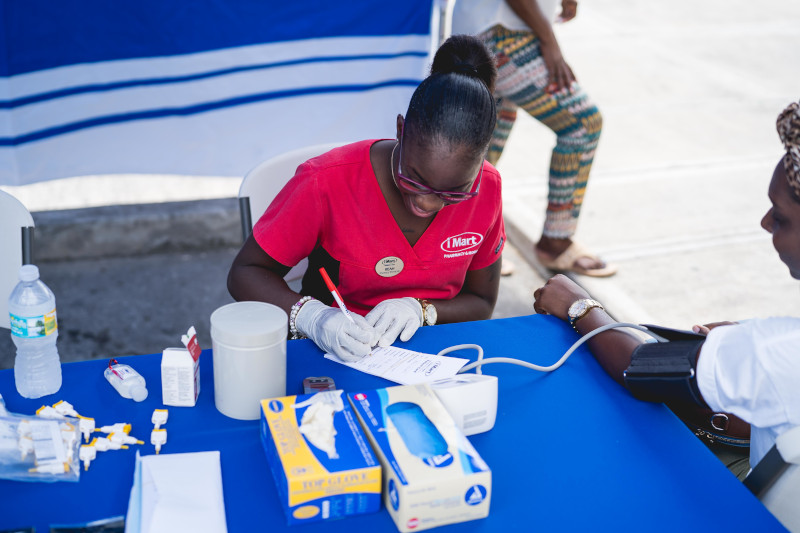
[(180, 377), (432, 474)]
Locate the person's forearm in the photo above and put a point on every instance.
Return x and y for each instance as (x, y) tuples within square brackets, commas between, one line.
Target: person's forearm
[(464, 307), (612, 348), (531, 14), (477, 297), (255, 283)]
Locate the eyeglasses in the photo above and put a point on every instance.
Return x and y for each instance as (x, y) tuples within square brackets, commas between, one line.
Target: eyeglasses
[(410, 186)]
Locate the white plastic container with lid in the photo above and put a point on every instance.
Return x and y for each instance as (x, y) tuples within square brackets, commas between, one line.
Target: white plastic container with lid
[(248, 340)]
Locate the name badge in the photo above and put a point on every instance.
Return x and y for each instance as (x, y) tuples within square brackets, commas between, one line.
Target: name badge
[(389, 266)]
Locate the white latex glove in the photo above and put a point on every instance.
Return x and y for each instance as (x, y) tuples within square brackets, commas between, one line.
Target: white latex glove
[(333, 332), (398, 316)]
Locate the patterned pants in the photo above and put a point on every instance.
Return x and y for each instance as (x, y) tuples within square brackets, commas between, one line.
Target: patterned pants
[(576, 121)]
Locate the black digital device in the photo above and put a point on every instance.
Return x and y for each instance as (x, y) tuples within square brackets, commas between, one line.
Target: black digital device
[(313, 384)]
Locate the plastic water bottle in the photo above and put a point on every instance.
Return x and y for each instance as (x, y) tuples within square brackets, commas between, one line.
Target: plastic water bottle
[(34, 329)]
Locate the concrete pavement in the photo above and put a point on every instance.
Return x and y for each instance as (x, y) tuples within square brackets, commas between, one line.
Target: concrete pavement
[(689, 92)]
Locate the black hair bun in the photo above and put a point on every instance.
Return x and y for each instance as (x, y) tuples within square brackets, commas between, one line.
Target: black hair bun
[(465, 68), (466, 55)]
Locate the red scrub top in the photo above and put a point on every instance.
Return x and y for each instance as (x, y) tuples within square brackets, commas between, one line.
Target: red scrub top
[(333, 211)]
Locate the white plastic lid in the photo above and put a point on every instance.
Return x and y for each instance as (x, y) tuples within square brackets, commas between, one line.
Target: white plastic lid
[(138, 393), (28, 273), (249, 324)]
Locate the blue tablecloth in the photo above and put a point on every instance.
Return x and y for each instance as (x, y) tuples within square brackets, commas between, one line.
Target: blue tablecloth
[(571, 450)]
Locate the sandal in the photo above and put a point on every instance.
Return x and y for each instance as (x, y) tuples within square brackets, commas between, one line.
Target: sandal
[(566, 262)]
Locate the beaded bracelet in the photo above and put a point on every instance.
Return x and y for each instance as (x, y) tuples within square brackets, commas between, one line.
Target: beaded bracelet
[(293, 317)]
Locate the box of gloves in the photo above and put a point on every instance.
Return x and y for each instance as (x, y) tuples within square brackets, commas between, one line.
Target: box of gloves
[(432, 474), (320, 459)]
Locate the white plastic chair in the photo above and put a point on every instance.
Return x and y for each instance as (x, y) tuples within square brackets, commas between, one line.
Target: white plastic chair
[(16, 234), (775, 480), (262, 183)]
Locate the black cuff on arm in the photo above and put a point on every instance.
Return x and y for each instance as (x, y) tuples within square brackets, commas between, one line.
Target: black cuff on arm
[(665, 372)]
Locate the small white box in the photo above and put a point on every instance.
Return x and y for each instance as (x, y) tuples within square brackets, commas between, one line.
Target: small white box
[(180, 377)]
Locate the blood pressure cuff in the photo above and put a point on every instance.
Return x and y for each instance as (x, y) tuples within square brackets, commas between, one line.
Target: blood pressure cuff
[(665, 372)]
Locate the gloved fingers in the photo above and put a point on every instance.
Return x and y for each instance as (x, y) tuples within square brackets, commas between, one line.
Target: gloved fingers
[(410, 327), (355, 339), (362, 331), (388, 328), (384, 320), (390, 332), (381, 322), (351, 350), (391, 317), (377, 314)]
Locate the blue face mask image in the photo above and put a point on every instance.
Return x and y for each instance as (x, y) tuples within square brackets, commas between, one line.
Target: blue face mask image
[(419, 434)]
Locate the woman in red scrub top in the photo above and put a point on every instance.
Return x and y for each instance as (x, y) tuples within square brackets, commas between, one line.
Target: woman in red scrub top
[(410, 229)]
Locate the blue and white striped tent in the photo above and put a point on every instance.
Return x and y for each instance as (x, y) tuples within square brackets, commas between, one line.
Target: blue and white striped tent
[(207, 87)]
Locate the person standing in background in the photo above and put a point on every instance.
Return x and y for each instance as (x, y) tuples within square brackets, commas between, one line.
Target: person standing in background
[(533, 75)]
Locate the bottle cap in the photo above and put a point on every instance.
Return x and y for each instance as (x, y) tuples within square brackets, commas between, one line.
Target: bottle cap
[(28, 273), (138, 393)]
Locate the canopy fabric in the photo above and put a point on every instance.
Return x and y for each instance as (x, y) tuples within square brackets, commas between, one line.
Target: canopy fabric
[(209, 87)]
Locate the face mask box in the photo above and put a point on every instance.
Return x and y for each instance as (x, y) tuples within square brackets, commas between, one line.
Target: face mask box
[(320, 459), (180, 377), (432, 474)]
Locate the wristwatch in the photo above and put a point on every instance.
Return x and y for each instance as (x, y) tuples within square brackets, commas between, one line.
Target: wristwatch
[(429, 313), (580, 307)]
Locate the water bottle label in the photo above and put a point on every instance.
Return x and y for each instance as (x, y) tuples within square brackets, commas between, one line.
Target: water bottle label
[(34, 327)]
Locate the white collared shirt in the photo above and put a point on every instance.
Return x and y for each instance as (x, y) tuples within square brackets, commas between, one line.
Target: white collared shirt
[(753, 371)]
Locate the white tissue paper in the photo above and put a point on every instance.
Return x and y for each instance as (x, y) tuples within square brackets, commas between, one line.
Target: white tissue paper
[(177, 492)]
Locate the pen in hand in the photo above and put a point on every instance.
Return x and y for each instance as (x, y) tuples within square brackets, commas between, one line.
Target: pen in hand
[(337, 296), (335, 293)]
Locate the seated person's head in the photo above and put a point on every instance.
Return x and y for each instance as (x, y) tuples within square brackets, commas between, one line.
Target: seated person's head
[(447, 128), (783, 218)]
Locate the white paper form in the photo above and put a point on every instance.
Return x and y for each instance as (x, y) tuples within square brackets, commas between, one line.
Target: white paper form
[(403, 366)]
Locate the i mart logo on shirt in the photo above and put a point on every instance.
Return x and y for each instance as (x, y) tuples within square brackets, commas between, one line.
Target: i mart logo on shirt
[(462, 244)]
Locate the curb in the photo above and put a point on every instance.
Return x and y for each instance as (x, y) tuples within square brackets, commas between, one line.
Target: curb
[(137, 229)]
